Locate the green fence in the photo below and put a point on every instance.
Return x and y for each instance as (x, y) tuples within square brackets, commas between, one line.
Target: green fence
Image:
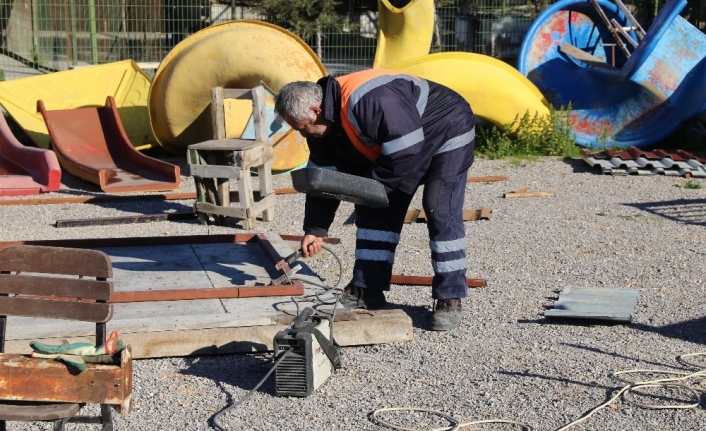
[(40, 36)]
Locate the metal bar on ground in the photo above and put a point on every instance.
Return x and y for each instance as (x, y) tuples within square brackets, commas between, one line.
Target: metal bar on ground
[(142, 218), (207, 293), (130, 198), (153, 240), (418, 280)]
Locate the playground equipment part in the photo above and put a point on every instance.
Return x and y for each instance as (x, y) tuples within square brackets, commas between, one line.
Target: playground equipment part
[(25, 170), (626, 100), (123, 80), (496, 91), (289, 148), (91, 144), (403, 33), (236, 54)]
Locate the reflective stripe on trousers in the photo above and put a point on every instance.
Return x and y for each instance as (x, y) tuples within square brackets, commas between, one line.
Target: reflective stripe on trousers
[(379, 233)]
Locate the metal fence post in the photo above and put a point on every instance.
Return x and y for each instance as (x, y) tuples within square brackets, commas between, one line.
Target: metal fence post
[(94, 37)]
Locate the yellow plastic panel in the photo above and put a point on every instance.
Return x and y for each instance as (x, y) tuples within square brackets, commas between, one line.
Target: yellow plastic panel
[(496, 91), (124, 80), (236, 54), (404, 33)]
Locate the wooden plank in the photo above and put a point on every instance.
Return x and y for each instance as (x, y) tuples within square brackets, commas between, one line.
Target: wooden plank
[(55, 309), (216, 171), (144, 218), (416, 215), (24, 378), (583, 56), (225, 145), (418, 280), (486, 179), (262, 205), (49, 286), (235, 212), (218, 122), (237, 93), (53, 260), (369, 327), (294, 289)]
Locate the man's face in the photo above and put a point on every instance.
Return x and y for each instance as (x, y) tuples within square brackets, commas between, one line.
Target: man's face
[(317, 126)]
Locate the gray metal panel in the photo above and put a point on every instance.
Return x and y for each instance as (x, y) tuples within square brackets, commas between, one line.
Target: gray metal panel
[(595, 303)]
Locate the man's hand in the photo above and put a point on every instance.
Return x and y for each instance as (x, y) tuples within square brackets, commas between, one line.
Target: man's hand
[(311, 245)]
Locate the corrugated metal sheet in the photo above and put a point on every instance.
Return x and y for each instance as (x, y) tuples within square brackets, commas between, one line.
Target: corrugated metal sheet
[(640, 162), (595, 303)]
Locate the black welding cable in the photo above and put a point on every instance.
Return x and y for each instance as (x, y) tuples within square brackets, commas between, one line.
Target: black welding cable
[(279, 358)]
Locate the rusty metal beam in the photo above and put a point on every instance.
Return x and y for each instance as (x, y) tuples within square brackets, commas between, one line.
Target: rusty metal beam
[(28, 379), (153, 240), (296, 289), (142, 218), (416, 280)]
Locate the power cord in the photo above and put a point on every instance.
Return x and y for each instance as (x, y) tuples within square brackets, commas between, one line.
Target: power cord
[(675, 382), (280, 357)]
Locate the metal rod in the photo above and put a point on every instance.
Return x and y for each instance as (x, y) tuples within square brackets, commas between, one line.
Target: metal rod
[(74, 43), (142, 218), (92, 25), (417, 280)]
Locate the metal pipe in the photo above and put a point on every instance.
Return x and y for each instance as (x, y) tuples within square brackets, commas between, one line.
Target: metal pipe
[(94, 37), (74, 44)]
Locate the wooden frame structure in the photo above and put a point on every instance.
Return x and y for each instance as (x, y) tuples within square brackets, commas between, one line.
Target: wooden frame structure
[(214, 163)]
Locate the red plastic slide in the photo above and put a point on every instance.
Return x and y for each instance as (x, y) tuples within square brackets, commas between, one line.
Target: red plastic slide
[(92, 145), (25, 170)]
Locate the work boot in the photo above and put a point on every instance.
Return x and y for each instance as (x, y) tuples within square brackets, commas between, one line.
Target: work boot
[(357, 297), (447, 314)]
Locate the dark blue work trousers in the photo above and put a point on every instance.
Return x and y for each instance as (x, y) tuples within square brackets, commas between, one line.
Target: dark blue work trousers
[(379, 233)]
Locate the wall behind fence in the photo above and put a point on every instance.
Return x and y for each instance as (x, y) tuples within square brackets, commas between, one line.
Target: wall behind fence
[(40, 36)]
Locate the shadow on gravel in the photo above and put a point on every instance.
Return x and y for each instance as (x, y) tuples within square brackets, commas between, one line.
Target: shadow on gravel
[(686, 211), (420, 315), (580, 166), (618, 355), (689, 330)]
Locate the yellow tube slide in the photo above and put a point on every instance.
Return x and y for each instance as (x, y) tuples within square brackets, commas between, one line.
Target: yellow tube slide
[(403, 33), (496, 91), (236, 54)]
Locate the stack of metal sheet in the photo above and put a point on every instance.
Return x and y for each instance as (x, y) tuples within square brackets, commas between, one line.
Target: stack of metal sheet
[(595, 303), (640, 162)]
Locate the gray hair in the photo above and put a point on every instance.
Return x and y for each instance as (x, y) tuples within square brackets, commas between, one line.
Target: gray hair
[(295, 99)]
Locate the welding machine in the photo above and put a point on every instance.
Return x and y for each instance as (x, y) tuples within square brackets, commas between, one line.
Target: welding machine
[(311, 354)]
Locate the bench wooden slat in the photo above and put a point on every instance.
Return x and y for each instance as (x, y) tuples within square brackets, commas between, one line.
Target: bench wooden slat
[(55, 260), (52, 309), (32, 411), (52, 286)]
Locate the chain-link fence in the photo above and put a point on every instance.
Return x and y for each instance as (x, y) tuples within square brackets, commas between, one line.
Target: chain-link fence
[(40, 36)]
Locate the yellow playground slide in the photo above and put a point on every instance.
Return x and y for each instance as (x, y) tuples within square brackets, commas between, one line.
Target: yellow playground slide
[(80, 88), (403, 33), (235, 54), (496, 91)]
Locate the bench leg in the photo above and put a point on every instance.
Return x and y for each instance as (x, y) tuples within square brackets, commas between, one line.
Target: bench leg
[(265, 174), (3, 427), (59, 424), (106, 417)]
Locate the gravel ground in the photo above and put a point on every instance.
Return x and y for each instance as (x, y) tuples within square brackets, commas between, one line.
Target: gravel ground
[(505, 360)]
